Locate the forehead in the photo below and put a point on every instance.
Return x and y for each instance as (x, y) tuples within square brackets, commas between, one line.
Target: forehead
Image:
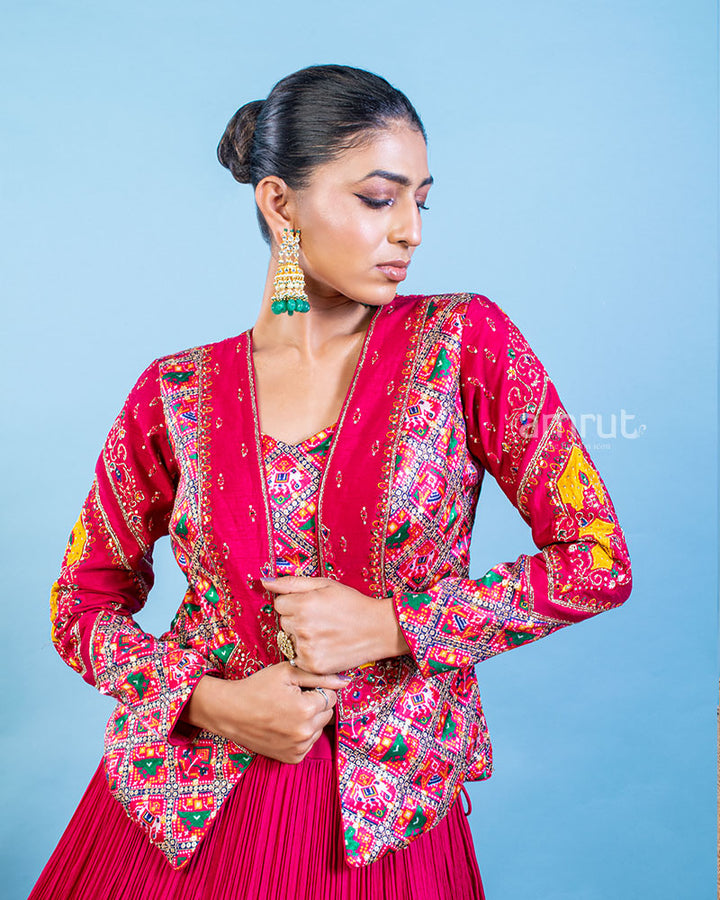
[(398, 149)]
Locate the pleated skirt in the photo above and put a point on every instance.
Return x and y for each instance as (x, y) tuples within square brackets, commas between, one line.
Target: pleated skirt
[(276, 837)]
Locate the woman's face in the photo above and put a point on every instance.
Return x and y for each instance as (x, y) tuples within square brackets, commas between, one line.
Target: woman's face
[(360, 220)]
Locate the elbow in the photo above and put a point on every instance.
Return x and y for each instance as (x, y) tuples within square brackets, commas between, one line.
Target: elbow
[(623, 580), (616, 577)]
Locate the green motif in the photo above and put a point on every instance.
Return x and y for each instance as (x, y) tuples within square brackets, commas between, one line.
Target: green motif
[(211, 595), (453, 516), (432, 306), (397, 750), (452, 443), (515, 638), (240, 760), (139, 682), (439, 666), (323, 446), (350, 842), (511, 353), (416, 824), (194, 818), (181, 527), (400, 536), (267, 609), (191, 607), (178, 377), (120, 722), (442, 364), (309, 525), (148, 767), (449, 727), (489, 579), (224, 652), (415, 601)]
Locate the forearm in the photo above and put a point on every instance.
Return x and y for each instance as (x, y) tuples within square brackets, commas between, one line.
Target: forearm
[(207, 706)]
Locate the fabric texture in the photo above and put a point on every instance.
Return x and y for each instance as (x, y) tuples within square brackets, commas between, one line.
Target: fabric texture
[(446, 389), (278, 836)]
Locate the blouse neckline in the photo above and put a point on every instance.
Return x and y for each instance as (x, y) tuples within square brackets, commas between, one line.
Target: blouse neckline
[(308, 440)]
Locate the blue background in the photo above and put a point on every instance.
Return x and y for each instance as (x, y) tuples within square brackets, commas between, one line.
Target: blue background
[(573, 146)]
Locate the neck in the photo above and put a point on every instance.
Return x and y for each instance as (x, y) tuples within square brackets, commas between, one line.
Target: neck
[(330, 317)]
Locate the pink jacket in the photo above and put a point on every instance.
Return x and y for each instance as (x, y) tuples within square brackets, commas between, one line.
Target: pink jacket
[(445, 389)]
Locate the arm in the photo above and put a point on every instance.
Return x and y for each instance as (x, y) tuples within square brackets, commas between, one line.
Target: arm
[(518, 430), (107, 570)]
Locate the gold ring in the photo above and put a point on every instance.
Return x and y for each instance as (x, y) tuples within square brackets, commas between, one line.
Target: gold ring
[(286, 645)]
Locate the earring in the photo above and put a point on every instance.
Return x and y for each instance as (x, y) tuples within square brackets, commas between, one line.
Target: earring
[(289, 282)]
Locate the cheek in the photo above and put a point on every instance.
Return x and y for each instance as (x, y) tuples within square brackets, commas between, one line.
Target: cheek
[(340, 239)]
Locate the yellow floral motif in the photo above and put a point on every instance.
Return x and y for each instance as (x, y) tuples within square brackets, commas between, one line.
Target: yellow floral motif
[(76, 544), (577, 475), (600, 532), (54, 603), (73, 553)]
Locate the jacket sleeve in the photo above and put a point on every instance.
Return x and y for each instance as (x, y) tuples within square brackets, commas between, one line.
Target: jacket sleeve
[(107, 571), (518, 430)]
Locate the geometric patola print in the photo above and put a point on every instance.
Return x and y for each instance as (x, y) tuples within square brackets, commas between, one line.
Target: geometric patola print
[(465, 397)]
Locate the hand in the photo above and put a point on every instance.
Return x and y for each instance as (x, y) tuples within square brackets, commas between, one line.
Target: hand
[(333, 626), (267, 712)]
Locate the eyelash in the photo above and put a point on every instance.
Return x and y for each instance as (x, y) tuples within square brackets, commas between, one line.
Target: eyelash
[(379, 204)]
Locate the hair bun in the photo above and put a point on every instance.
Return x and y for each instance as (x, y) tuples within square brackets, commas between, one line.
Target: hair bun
[(234, 148)]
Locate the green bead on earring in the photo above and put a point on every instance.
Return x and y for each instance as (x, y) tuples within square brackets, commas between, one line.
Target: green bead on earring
[(289, 281)]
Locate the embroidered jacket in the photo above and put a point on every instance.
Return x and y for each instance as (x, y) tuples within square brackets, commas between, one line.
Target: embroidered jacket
[(445, 389)]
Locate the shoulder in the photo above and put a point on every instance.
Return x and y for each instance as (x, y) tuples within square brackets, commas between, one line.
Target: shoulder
[(180, 371), (200, 352), (474, 314), (469, 303)]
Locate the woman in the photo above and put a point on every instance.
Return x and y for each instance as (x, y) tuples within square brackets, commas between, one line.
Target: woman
[(306, 725)]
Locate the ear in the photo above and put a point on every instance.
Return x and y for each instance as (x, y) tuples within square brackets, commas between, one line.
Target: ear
[(276, 201)]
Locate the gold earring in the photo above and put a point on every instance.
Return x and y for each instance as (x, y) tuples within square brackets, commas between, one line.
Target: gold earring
[(289, 281)]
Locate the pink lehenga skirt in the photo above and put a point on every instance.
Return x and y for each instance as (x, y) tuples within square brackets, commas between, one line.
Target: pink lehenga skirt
[(276, 837)]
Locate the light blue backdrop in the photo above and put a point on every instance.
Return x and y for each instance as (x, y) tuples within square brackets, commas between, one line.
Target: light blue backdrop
[(573, 146)]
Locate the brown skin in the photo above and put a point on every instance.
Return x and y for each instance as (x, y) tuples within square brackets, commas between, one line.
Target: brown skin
[(303, 368)]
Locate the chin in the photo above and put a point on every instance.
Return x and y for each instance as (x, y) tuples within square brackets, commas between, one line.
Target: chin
[(381, 296)]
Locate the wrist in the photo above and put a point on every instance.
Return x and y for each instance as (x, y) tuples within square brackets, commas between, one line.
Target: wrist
[(393, 639), (205, 707)]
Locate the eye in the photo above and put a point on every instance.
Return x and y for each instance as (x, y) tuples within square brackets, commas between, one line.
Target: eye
[(422, 206), (373, 203)]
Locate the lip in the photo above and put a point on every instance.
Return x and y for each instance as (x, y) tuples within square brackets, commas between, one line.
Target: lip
[(395, 269)]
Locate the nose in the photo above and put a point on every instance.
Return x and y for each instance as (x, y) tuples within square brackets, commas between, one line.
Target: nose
[(406, 224)]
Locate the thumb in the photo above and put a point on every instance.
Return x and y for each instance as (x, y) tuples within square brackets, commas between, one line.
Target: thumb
[(289, 584), (302, 678)]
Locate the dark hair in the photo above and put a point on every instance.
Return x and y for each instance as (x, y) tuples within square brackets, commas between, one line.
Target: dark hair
[(309, 118)]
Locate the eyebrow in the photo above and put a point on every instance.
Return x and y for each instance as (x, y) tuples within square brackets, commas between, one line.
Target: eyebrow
[(393, 176)]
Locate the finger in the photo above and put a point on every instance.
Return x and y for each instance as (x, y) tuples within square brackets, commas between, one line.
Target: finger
[(306, 746), (321, 719), (286, 604), (318, 702), (303, 678), (285, 623), (290, 584)]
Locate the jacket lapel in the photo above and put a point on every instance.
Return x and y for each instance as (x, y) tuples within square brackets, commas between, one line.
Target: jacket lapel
[(354, 495)]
